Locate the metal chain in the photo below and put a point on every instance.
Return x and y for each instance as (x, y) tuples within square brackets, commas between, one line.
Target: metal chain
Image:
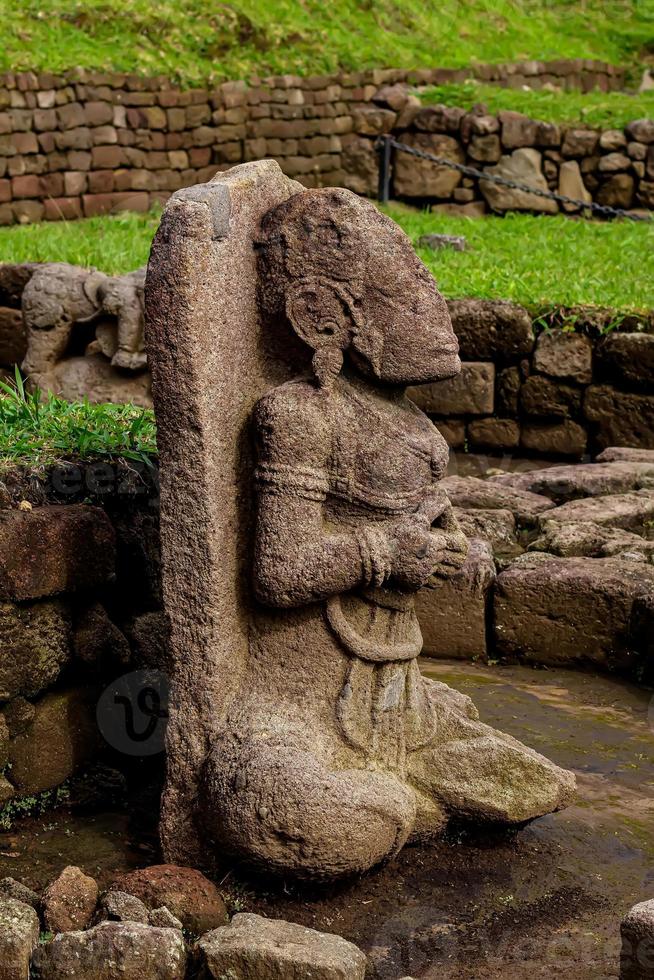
[(603, 209)]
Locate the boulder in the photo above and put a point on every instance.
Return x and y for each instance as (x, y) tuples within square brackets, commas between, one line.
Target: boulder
[(69, 901), (564, 355), (590, 540), (471, 492), (494, 433), (627, 359), (559, 611), (118, 906), (191, 897), (629, 511), (523, 166), (452, 612), (413, 177), (35, 645), (544, 398), (637, 933), (491, 330), (62, 737), (19, 936), (497, 527), (469, 393), (111, 950), (53, 549), (254, 948), (164, 919), (10, 888), (562, 483), (566, 438), (620, 418), (13, 340), (571, 184)]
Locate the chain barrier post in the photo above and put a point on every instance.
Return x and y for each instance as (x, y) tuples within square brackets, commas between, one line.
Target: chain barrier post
[(384, 147)]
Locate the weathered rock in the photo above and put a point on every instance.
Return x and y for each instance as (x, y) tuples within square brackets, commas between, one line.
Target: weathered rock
[(612, 139), (589, 540), (641, 130), (566, 438), (35, 645), (13, 279), (494, 433), (270, 754), (523, 166), (469, 393), (579, 142), (571, 184), (97, 641), (507, 391), (485, 149), (187, 893), (621, 418), (453, 612), (627, 454), (54, 549), (10, 888), (617, 191), (453, 431), (558, 611), (253, 947), (562, 483), (628, 359), (613, 162), (361, 164), (116, 906), (629, 511), (471, 492), (497, 527), (69, 901), (164, 919), (93, 377), (542, 397), (413, 177), (564, 355), (439, 119), (64, 721), (19, 936), (517, 130), (128, 950), (491, 329), (13, 343), (637, 932)]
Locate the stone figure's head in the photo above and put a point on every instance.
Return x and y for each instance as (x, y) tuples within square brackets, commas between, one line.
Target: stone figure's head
[(349, 283)]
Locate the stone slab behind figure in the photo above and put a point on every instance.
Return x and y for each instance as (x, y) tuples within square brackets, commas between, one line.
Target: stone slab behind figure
[(300, 512)]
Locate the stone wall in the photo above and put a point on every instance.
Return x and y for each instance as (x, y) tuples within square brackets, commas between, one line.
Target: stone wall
[(79, 607), (91, 143)]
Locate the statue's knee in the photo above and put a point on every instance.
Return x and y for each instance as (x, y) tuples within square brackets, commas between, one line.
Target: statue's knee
[(282, 809)]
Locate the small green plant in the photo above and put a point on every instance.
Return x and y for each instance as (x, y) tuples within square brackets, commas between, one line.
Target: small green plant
[(38, 431), (30, 806)]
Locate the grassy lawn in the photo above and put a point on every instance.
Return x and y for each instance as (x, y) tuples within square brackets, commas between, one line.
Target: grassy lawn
[(197, 39), (597, 109), (39, 433), (537, 261)]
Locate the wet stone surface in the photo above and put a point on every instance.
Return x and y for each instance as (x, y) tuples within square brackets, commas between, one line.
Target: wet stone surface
[(545, 902)]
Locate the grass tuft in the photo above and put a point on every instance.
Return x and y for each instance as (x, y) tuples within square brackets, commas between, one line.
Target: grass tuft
[(40, 432)]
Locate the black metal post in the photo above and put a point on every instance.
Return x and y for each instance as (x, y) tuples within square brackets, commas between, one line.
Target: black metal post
[(383, 188)]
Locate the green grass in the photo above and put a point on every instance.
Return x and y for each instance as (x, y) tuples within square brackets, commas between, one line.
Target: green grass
[(37, 433), (197, 39), (537, 261), (608, 110), (540, 262)]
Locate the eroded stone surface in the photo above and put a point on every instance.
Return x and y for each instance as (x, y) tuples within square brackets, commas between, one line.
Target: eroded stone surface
[(469, 393), (317, 766), (35, 645), (590, 540), (491, 329), (186, 893), (128, 950), (254, 948), (19, 936), (69, 902), (498, 527), (564, 355), (471, 492), (561, 483), (523, 166), (117, 906), (629, 511)]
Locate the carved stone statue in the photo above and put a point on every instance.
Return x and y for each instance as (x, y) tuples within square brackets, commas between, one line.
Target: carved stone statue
[(300, 514), (85, 333)]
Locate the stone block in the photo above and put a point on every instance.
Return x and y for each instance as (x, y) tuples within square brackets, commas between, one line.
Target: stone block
[(497, 527), (522, 166), (35, 645), (372, 121), (494, 433), (469, 393), (252, 946), (617, 191), (641, 130), (517, 130), (590, 540), (571, 184), (19, 937), (452, 612), (108, 157), (485, 149), (564, 355), (469, 492), (579, 142), (566, 438), (563, 483), (13, 343), (620, 418), (54, 549), (627, 359), (540, 396), (565, 611), (507, 391), (613, 162), (413, 177), (632, 511)]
